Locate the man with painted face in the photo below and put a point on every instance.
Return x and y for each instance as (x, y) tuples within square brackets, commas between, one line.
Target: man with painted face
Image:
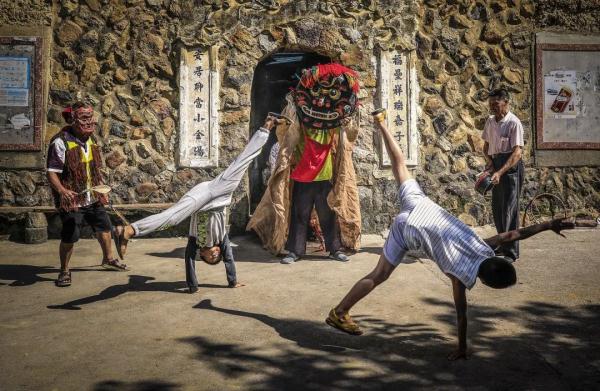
[(315, 166), (73, 168)]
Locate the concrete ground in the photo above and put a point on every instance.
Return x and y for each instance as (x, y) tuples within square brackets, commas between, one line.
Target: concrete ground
[(139, 330)]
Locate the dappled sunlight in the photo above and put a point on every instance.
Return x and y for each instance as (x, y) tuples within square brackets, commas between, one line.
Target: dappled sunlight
[(412, 356)]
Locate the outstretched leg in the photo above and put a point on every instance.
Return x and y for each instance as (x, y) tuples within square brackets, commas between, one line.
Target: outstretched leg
[(184, 208), (339, 317)]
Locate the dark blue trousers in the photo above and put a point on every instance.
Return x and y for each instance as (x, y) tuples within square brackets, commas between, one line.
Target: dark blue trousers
[(190, 262), (505, 202)]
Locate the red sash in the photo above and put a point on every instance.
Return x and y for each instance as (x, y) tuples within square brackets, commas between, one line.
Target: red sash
[(313, 158)]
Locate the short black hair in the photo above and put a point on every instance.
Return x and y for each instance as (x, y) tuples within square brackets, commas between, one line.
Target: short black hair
[(497, 273), (500, 93)]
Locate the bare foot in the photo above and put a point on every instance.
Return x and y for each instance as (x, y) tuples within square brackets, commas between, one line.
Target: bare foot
[(128, 232), (121, 237), (238, 285)]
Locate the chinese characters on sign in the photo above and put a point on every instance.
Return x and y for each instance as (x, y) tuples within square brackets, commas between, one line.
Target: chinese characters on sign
[(198, 145), (394, 96), (14, 81)]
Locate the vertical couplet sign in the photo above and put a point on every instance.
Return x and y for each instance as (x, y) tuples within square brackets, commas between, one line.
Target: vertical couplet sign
[(198, 122), (395, 96)]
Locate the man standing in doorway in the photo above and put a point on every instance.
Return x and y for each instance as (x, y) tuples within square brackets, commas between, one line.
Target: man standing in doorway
[(503, 148)]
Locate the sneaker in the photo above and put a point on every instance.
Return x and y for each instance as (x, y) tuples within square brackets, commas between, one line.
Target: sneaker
[(345, 323), (192, 289), (339, 256), (290, 258)]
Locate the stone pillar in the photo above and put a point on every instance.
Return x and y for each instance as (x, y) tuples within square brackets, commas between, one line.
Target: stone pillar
[(36, 228)]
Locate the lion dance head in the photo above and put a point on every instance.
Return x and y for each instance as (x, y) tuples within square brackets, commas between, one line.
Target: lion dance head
[(326, 94)]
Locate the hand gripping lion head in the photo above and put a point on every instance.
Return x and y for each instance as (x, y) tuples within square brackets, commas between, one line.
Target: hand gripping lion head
[(326, 94)]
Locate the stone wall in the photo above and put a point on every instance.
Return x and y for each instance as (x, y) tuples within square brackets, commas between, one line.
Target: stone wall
[(122, 55), (466, 48)]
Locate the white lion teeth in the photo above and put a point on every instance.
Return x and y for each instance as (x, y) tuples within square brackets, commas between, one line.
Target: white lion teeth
[(320, 115)]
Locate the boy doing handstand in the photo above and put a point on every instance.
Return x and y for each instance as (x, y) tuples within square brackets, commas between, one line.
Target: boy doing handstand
[(206, 203), (424, 226)]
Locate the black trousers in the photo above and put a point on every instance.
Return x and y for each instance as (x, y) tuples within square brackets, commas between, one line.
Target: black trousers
[(95, 215), (505, 202), (190, 262), (305, 196)]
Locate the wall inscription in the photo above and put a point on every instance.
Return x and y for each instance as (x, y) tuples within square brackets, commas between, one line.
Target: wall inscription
[(396, 94), (198, 121)]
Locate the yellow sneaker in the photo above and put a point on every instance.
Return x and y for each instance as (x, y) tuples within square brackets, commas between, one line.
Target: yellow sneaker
[(345, 323)]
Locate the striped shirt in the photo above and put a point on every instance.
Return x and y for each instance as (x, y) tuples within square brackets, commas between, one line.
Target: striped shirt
[(425, 227)]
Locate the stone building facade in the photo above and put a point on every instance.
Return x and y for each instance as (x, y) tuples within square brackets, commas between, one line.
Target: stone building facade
[(124, 56)]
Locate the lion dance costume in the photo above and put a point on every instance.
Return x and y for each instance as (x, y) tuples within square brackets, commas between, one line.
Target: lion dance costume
[(314, 167)]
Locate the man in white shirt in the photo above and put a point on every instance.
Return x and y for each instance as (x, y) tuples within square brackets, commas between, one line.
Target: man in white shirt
[(424, 226), (503, 148)]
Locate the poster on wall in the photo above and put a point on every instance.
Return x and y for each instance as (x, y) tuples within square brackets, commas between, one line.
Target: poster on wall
[(14, 81), (20, 93), (560, 94), (568, 94)]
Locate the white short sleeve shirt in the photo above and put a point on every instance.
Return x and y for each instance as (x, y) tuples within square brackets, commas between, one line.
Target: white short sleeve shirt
[(502, 136)]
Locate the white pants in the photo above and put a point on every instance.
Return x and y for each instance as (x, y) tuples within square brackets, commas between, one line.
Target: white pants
[(206, 195)]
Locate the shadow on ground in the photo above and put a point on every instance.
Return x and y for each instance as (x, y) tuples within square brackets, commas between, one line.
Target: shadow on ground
[(555, 349), (23, 275), (136, 283), (145, 385)]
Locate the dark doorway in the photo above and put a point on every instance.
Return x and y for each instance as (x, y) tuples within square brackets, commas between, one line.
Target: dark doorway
[(273, 78)]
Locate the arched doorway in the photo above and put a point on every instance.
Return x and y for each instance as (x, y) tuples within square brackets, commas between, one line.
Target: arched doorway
[(273, 78)]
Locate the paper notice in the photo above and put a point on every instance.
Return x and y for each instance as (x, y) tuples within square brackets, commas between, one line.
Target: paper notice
[(19, 121)]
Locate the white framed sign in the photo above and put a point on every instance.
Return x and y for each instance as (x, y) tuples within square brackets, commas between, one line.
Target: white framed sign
[(198, 107), (397, 94)]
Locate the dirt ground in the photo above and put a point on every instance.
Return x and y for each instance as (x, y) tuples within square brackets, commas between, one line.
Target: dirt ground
[(141, 330)]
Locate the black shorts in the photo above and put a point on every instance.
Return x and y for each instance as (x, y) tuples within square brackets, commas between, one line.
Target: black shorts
[(95, 215)]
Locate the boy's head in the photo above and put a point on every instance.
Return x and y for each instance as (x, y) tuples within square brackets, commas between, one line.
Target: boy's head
[(210, 255), (497, 272)]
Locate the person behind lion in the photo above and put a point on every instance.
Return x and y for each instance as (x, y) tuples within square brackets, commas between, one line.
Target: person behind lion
[(314, 168)]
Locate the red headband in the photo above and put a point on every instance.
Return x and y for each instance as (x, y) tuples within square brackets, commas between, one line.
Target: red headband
[(67, 114), (83, 110)]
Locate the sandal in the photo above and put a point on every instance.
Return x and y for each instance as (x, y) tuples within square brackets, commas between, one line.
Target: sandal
[(114, 264), (118, 234), (64, 279), (345, 323)]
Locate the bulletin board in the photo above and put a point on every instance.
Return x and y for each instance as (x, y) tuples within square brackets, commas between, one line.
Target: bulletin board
[(20, 93), (568, 96)]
